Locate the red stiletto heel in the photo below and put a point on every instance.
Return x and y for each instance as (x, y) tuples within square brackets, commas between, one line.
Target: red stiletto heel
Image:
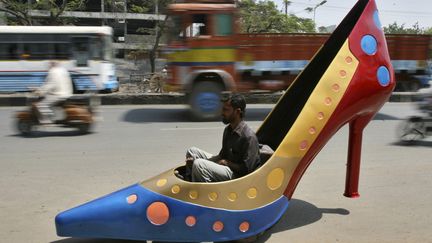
[(354, 155)]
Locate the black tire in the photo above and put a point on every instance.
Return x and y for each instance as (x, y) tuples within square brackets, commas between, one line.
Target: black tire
[(25, 127), (411, 130), (84, 128), (204, 100)]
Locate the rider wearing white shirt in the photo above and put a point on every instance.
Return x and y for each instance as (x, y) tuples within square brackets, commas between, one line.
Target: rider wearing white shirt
[(57, 87)]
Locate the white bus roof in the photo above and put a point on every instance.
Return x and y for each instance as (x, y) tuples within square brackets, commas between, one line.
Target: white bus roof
[(105, 30)]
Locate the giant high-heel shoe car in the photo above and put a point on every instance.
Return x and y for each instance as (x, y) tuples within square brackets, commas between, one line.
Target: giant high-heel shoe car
[(347, 81)]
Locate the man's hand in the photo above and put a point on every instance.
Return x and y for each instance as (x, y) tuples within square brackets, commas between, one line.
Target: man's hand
[(189, 161), (223, 162)]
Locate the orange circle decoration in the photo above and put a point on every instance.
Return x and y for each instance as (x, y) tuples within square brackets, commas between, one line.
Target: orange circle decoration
[(132, 199), (218, 226), (244, 227), (158, 213), (320, 115), (349, 60), (328, 101), (190, 221), (342, 73)]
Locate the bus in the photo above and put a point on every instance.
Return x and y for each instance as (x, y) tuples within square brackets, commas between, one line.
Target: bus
[(25, 53)]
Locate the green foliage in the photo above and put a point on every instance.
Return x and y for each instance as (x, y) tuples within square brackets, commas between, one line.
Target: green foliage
[(20, 10), (264, 17), (401, 29), (138, 9)]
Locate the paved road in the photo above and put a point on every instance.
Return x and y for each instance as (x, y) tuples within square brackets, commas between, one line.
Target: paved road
[(58, 169)]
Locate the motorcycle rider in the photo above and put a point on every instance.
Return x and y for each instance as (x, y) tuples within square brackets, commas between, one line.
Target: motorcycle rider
[(57, 87)]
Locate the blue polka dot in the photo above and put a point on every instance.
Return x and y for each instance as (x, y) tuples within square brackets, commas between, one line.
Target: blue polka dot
[(377, 20), (369, 44), (383, 76)]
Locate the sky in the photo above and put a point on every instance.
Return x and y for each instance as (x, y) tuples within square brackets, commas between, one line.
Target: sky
[(406, 12)]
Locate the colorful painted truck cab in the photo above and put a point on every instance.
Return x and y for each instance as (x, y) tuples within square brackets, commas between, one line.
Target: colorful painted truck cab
[(207, 55)]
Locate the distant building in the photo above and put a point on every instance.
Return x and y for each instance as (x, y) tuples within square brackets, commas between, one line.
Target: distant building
[(127, 35)]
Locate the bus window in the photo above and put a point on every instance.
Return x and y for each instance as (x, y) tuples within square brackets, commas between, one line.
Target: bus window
[(61, 51), (8, 51), (80, 51), (223, 25), (96, 50), (36, 51)]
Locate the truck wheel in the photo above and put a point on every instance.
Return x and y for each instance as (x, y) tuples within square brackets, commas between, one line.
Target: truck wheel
[(205, 101)]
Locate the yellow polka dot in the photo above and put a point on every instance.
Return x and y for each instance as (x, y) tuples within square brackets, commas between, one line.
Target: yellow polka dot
[(232, 196), (213, 196), (252, 193), (175, 189), (275, 178), (161, 182), (193, 194)]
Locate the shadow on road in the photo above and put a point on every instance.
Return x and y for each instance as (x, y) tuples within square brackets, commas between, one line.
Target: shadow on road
[(381, 116), (149, 115), (299, 213), (42, 134), (419, 143)]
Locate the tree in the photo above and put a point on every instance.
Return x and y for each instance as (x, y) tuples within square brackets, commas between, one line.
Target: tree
[(264, 17), (20, 10), (158, 31), (394, 28)]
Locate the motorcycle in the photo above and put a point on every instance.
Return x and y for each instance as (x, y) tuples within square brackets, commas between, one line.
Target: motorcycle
[(75, 112), (416, 128)]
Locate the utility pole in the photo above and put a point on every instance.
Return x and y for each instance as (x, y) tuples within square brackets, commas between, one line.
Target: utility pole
[(157, 17), (310, 9), (103, 11), (286, 2), (125, 20)]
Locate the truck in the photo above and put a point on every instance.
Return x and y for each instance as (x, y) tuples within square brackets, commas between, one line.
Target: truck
[(207, 55)]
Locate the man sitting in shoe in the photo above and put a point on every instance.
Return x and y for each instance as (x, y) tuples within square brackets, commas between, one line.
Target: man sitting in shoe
[(57, 87), (240, 149)]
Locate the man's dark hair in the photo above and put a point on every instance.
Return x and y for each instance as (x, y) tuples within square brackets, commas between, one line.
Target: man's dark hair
[(237, 101)]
